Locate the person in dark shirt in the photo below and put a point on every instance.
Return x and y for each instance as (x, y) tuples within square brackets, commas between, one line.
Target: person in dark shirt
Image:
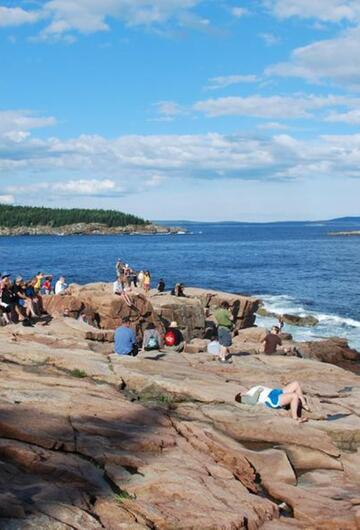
[(272, 341), (161, 286)]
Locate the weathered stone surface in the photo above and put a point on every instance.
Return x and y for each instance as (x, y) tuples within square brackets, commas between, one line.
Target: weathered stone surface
[(243, 307), (334, 350), (107, 309), (92, 440)]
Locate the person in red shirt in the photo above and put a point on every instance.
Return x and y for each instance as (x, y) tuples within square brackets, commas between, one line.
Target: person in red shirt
[(173, 338)]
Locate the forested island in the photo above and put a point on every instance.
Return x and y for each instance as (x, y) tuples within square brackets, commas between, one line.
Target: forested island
[(33, 220)]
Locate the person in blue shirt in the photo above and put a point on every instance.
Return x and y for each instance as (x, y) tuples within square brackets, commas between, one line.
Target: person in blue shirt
[(125, 339)]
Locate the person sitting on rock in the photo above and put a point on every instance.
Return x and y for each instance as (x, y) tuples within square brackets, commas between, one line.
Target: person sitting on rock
[(119, 290), (272, 341), (214, 346), (161, 286), (174, 339), (61, 286), (125, 339), (223, 318), (289, 396), (152, 339)]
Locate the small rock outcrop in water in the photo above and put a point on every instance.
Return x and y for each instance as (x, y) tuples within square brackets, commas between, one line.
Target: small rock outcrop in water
[(293, 320), (90, 440)]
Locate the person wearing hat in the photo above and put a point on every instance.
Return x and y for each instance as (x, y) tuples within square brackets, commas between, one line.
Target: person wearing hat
[(174, 339)]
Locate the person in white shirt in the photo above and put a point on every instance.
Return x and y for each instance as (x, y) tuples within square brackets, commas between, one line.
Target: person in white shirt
[(61, 286), (117, 286), (119, 290)]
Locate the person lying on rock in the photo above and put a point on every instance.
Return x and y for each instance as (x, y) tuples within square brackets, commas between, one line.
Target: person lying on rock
[(289, 396), (125, 339)]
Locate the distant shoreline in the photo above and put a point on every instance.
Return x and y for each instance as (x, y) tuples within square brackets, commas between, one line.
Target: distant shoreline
[(89, 229)]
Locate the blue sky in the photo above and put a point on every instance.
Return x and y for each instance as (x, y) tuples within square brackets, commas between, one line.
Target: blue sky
[(182, 109)]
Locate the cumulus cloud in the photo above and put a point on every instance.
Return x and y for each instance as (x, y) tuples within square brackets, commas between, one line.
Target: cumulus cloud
[(84, 187), (229, 80), (325, 10), (20, 121), (62, 17), (272, 125), (7, 199), (239, 11), (270, 39), (334, 60), (272, 107), (351, 117), (168, 110), (88, 16), (16, 16)]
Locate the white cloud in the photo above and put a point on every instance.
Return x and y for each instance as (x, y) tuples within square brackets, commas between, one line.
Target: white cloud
[(168, 110), (69, 188), (19, 121), (269, 38), (229, 80), (272, 107), (325, 10), (239, 11), (272, 125), (352, 117), (334, 60), (62, 17), (88, 16), (16, 16), (7, 199)]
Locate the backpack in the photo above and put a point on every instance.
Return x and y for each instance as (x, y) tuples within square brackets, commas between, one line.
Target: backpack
[(152, 342), (170, 338)]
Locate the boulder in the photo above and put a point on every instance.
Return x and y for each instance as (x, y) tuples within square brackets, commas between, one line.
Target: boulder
[(295, 320), (95, 304), (243, 307), (334, 350), (196, 346), (187, 312)]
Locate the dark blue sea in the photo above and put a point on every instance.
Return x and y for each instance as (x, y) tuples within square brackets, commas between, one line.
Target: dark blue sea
[(295, 267)]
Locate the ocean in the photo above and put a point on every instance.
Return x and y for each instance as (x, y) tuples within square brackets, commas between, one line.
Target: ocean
[(294, 267)]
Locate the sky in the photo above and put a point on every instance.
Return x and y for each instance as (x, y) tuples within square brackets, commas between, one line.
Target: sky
[(182, 109)]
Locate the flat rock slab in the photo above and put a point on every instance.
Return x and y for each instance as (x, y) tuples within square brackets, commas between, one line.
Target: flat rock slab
[(90, 440)]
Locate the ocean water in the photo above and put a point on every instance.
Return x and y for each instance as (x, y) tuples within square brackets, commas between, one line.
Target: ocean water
[(295, 267)]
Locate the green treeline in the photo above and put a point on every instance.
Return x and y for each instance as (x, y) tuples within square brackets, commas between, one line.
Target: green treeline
[(14, 216)]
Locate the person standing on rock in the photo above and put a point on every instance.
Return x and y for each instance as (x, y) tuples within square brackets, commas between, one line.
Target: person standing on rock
[(125, 339), (147, 281), (224, 322)]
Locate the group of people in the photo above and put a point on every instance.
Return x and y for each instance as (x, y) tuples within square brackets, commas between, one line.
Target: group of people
[(21, 300), (126, 341), (128, 278)]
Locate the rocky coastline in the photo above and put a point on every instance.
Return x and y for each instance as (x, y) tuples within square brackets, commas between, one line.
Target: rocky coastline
[(91, 440), (89, 229)]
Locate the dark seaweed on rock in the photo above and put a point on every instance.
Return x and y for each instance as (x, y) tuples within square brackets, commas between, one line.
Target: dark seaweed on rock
[(14, 216)]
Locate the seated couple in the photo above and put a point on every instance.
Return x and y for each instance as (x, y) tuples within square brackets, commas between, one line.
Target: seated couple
[(289, 396)]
